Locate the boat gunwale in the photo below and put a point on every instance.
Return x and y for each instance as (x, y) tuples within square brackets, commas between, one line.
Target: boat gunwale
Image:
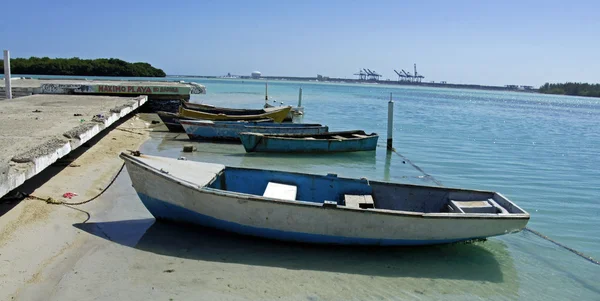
[(300, 203), (206, 122), (183, 111), (204, 108), (202, 123)]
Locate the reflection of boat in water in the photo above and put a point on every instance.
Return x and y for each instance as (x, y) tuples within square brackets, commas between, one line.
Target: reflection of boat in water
[(316, 209)]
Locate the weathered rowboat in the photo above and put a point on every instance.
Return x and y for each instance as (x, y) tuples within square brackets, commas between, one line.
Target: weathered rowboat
[(295, 111), (220, 110), (230, 130), (277, 114), (348, 141), (315, 208), (171, 120)]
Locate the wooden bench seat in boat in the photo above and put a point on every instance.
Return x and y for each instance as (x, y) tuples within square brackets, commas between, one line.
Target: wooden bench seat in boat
[(280, 191), (359, 201), (359, 136), (479, 206)]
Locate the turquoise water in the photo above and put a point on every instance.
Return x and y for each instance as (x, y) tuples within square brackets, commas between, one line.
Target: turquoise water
[(538, 150)]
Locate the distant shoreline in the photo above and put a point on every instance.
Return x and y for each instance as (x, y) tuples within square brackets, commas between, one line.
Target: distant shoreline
[(381, 82)]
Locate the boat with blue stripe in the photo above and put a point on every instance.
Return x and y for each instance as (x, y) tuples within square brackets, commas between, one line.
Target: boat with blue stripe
[(230, 130), (347, 141), (324, 209)]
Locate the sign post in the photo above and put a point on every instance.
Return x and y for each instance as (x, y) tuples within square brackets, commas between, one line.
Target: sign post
[(7, 86)]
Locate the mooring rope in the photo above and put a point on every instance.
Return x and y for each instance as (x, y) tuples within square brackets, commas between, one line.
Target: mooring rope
[(50, 200), (426, 175), (588, 258), (580, 254)]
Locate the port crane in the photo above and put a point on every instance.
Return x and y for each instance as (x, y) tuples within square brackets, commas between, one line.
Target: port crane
[(408, 76), (400, 75), (417, 76), (361, 75)]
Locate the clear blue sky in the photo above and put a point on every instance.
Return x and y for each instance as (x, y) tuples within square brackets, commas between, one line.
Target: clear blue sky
[(477, 41)]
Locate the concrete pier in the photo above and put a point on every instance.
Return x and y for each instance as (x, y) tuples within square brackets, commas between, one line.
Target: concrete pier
[(37, 130), (162, 95)]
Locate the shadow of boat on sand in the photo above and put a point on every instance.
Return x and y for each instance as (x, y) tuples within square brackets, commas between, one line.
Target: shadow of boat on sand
[(472, 261)]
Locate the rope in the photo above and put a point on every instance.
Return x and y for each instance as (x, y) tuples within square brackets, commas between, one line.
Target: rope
[(582, 255), (588, 258), (126, 130), (426, 175), (50, 200)]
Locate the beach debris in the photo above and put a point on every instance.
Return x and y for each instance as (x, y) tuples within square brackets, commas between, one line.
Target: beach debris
[(135, 153), (74, 165), (169, 271), (36, 111), (77, 114), (69, 195), (188, 148), (155, 122), (182, 158), (14, 196)]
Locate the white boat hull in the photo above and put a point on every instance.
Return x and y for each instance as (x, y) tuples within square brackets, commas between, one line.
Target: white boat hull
[(171, 198)]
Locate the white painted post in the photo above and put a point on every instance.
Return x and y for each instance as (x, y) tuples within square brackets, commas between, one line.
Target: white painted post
[(390, 125), (7, 86), (300, 98)]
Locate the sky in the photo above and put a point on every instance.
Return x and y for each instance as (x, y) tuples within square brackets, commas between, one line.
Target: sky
[(471, 41)]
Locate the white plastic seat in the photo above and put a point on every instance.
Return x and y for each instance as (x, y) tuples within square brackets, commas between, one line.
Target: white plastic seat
[(280, 191)]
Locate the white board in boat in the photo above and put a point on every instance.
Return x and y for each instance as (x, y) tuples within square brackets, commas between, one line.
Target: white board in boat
[(280, 191)]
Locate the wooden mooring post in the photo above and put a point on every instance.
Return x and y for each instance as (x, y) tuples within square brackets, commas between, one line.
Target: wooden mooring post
[(390, 125)]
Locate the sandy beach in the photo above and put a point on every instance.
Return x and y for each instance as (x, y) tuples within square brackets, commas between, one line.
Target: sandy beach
[(38, 243)]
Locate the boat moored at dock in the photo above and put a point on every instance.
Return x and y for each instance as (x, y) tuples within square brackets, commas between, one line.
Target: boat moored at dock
[(171, 120), (230, 130), (317, 208), (221, 110), (277, 114), (347, 141)]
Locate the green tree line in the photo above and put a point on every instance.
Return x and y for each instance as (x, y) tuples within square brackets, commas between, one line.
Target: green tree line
[(578, 89), (77, 66)]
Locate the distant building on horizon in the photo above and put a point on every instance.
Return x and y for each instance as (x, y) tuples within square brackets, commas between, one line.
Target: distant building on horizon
[(256, 74)]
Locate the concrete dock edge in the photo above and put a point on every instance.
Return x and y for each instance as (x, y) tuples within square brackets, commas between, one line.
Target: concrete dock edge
[(27, 164)]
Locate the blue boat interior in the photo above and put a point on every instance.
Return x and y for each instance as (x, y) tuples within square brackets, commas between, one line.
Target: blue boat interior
[(360, 193)]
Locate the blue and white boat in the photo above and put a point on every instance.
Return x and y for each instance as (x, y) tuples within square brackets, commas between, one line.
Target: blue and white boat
[(348, 141), (230, 130), (317, 209)]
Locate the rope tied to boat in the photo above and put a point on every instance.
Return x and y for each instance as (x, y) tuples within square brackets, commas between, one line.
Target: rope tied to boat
[(53, 201), (540, 235)]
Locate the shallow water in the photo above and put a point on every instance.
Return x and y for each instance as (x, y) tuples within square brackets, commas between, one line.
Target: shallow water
[(538, 150)]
